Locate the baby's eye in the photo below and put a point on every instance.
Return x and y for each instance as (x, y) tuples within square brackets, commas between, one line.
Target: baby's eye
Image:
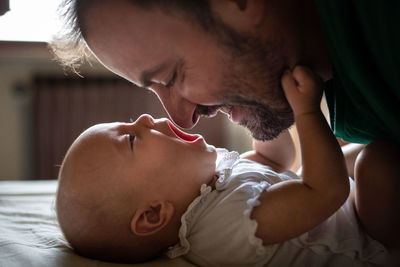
[(131, 139)]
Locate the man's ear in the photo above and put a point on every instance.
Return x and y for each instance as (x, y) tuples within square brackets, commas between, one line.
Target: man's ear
[(151, 218), (241, 15)]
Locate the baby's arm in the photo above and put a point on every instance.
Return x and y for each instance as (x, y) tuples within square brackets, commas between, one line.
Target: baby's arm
[(293, 207), (278, 153)]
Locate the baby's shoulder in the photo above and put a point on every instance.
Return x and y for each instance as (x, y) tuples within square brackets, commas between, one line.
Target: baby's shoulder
[(246, 170)]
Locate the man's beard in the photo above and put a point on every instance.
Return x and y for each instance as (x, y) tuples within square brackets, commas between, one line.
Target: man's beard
[(251, 80), (263, 121), (266, 124)]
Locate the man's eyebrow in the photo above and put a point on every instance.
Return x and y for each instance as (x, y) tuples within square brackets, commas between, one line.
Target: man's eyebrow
[(147, 75)]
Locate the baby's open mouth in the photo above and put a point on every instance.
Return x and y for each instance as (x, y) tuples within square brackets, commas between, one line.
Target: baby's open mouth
[(182, 135)]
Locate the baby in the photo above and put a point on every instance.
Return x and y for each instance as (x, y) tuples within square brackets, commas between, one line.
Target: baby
[(129, 192)]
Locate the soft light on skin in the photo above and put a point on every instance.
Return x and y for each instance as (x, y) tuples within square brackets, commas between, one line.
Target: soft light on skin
[(207, 71), (142, 174), (144, 46), (155, 161)]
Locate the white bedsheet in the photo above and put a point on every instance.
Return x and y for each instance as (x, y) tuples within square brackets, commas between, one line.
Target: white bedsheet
[(30, 236)]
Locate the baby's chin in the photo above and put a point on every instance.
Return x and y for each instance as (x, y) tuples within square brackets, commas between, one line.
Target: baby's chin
[(211, 148)]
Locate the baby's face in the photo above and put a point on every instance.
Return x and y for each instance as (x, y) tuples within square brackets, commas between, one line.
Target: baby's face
[(153, 156)]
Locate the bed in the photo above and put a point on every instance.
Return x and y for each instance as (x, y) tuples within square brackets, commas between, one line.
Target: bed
[(29, 233)]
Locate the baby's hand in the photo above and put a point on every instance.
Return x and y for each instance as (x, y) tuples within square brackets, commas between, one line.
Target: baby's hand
[(303, 90)]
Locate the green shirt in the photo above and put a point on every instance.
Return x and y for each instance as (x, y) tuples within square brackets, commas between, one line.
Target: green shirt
[(363, 38)]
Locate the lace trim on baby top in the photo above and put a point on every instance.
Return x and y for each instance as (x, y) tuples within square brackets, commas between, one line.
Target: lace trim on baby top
[(256, 242), (224, 164), (225, 161), (183, 246)]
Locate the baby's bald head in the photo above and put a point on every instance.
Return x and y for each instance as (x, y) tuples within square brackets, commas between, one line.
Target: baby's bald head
[(95, 203)]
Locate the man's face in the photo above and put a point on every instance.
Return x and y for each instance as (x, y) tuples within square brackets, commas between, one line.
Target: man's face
[(193, 72)]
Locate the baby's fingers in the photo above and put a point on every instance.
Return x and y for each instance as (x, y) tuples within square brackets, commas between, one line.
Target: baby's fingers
[(289, 85), (303, 90), (306, 79)]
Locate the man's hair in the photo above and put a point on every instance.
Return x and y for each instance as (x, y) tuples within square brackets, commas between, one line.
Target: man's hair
[(69, 45)]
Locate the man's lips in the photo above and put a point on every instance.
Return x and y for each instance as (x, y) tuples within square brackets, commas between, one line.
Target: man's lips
[(182, 135), (226, 109), (210, 111), (206, 111), (235, 113)]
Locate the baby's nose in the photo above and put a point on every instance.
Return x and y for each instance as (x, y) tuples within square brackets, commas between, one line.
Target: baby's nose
[(145, 119)]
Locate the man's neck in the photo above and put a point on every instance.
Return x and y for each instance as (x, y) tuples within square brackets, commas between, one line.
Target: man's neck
[(314, 50)]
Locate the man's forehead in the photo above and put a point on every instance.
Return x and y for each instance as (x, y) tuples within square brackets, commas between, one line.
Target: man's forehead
[(130, 40)]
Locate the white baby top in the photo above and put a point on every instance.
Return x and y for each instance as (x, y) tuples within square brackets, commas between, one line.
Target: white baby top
[(217, 230)]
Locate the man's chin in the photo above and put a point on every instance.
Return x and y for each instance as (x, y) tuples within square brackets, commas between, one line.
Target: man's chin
[(264, 123), (264, 134), (264, 130)]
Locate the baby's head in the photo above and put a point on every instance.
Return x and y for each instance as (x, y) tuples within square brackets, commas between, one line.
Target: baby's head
[(123, 188)]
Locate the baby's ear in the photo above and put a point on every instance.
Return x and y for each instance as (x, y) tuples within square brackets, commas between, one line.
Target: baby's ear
[(152, 218)]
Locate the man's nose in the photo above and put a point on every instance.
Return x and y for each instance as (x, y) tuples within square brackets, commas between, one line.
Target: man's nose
[(179, 109)]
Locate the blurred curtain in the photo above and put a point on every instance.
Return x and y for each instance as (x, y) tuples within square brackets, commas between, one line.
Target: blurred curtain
[(64, 107)]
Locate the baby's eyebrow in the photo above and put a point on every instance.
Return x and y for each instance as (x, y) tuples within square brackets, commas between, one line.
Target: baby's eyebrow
[(119, 140)]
